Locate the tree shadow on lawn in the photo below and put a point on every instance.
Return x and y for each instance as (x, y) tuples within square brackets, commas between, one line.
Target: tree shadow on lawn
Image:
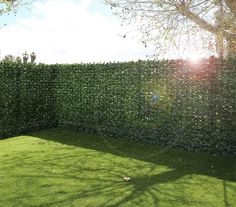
[(181, 163), (221, 167), (160, 176), (71, 184)]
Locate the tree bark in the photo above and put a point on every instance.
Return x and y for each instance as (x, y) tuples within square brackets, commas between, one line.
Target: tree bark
[(231, 4), (220, 45), (231, 47)]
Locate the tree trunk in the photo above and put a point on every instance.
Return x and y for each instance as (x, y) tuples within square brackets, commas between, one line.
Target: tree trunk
[(231, 47), (220, 45), (231, 5)]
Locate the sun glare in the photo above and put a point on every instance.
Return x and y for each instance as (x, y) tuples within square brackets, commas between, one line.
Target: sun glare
[(194, 58)]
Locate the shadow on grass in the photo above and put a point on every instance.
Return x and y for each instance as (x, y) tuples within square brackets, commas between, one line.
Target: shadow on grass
[(81, 177), (182, 161)]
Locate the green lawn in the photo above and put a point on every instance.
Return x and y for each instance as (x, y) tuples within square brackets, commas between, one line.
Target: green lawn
[(65, 168)]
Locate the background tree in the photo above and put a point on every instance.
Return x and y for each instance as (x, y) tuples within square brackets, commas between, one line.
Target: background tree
[(7, 6), (178, 24), (9, 58), (25, 57), (32, 57)]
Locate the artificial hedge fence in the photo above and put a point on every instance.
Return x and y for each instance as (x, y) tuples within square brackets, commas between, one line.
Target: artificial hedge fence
[(27, 98), (172, 103)]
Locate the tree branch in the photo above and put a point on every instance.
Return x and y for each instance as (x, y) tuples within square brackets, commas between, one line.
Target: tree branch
[(203, 24)]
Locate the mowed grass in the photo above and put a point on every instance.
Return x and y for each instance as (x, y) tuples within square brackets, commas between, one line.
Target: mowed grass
[(65, 168)]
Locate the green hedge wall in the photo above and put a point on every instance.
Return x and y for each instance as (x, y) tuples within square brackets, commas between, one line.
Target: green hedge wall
[(27, 98), (172, 103)]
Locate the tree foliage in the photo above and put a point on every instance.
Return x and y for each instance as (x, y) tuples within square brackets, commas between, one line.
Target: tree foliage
[(9, 58), (7, 6), (177, 24)]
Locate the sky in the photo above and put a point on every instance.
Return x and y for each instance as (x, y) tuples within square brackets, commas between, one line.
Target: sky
[(69, 31)]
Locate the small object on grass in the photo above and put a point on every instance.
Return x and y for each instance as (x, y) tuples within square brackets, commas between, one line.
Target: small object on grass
[(127, 178)]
